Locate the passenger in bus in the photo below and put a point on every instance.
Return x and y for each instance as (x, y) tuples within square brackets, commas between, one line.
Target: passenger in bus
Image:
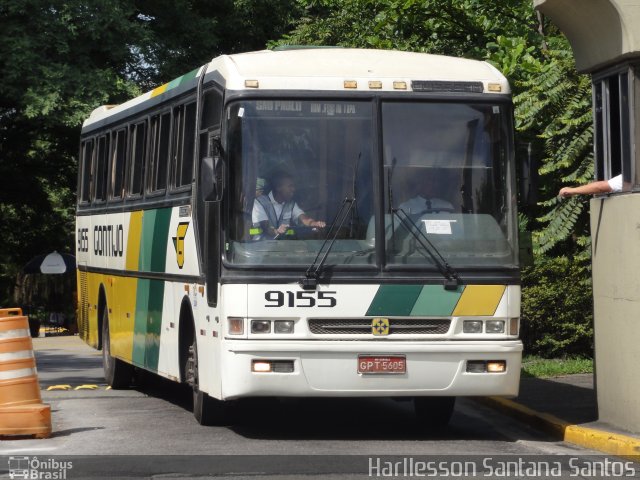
[(424, 191), (593, 188), (275, 213)]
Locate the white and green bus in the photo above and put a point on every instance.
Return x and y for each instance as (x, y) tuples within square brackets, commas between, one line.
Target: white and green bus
[(392, 267)]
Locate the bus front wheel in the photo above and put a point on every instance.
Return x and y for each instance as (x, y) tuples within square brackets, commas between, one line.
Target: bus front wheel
[(116, 372), (207, 410), (434, 412)]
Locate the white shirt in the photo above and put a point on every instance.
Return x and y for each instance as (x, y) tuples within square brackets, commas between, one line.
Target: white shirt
[(418, 204), (615, 183), (259, 215)]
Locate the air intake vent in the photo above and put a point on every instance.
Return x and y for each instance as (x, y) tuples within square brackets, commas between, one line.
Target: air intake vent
[(362, 326), (83, 307), (442, 86)]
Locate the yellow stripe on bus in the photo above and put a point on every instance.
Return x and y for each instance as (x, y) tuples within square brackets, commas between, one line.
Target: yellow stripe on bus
[(479, 300), (122, 327), (157, 91), (133, 242)]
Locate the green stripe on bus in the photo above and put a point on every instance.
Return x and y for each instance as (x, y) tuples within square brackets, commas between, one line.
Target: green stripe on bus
[(148, 323), (154, 324), (189, 76), (155, 236), (146, 240), (394, 300), (173, 83), (160, 240), (140, 323), (434, 300)]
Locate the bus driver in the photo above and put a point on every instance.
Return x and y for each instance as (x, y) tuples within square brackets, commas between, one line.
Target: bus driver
[(273, 213)]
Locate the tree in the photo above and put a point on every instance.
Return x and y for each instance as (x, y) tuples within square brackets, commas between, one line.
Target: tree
[(60, 59), (553, 112)]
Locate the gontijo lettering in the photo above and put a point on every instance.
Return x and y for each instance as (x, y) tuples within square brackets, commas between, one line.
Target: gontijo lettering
[(108, 240)]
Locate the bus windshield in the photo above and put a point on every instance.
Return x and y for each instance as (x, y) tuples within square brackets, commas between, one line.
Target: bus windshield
[(293, 163), (446, 168)]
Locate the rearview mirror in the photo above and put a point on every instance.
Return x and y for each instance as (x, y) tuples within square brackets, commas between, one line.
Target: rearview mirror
[(212, 175)]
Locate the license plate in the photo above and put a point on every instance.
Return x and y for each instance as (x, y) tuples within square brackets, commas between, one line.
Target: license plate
[(376, 364)]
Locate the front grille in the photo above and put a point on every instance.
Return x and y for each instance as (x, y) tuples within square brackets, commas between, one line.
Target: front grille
[(362, 326)]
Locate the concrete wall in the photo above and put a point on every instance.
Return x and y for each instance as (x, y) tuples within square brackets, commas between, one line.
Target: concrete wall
[(615, 236), (601, 32)]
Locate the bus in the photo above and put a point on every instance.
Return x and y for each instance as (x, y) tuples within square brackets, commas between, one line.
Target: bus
[(392, 270)]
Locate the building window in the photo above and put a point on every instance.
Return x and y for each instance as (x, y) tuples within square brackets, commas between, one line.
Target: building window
[(613, 100)]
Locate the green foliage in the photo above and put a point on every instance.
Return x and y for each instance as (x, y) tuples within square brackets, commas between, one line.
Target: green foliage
[(461, 28), (544, 368), (557, 309), (556, 103), (60, 59)]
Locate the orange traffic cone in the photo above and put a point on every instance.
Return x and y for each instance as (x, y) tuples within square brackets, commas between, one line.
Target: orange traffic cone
[(21, 409)]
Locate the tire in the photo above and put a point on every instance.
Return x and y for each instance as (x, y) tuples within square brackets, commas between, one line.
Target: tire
[(117, 373), (434, 412), (208, 411)]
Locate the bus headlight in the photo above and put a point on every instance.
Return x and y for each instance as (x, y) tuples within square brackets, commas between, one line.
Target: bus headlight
[(260, 326), (495, 326), (283, 326), (472, 326)]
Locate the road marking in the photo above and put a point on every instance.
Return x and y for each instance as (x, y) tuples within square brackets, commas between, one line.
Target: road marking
[(58, 387), (87, 387)]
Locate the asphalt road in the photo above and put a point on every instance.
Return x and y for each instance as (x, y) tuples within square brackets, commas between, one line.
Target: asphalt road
[(154, 418)]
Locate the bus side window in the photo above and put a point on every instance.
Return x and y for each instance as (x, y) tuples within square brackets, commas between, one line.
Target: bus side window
[(102, 166), (118, 166), (210, 212), (137, 138), (160, 137), (184, 124), (211, 110), (85, 171)]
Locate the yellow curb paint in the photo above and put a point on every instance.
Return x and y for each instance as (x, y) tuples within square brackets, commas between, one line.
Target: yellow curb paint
[(86, 387), (58, 387), (600, 440), (607, 442)]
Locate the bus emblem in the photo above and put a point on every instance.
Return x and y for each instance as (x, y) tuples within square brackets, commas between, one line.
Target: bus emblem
[(178, 243), (380, 326)]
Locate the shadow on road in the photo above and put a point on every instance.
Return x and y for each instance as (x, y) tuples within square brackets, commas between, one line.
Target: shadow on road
[(325, 418), (570, 398)]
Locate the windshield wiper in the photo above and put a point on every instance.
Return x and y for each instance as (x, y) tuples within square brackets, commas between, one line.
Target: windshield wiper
[(312, 275), (452, 279)]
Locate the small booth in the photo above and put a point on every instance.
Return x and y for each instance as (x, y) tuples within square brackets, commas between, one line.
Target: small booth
[(605, 37)]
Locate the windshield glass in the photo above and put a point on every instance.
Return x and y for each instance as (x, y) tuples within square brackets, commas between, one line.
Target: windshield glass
[(446, 167), (292, 164)]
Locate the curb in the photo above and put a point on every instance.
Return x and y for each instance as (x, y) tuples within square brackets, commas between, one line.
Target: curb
[(600, 440)]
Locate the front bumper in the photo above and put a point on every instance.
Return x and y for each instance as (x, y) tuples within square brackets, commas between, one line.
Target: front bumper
[(329, 369)]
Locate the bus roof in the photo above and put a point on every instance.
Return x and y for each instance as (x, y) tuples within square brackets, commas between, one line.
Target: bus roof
[(328, 69)]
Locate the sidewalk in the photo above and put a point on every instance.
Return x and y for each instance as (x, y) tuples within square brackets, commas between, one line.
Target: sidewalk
[(566, 407)]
